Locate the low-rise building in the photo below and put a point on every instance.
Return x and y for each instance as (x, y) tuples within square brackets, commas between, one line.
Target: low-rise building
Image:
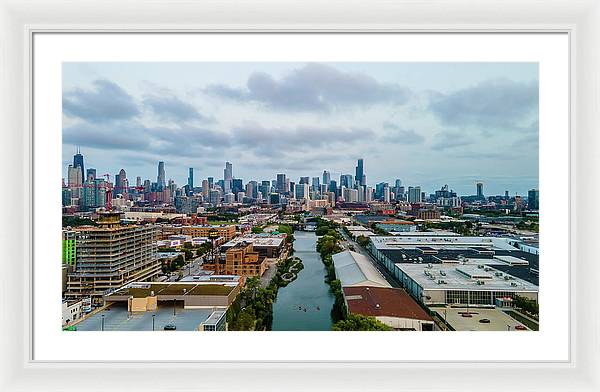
[(355, 269), (393, 307), (267, 245)]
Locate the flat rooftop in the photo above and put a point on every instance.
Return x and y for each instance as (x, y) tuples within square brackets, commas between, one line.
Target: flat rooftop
[(145, 289), (499, 321), (117, 318), (257, 241), (464, 277), (412, 241)]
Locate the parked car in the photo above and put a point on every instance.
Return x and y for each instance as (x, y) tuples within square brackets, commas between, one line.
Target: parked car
[(170, 327)]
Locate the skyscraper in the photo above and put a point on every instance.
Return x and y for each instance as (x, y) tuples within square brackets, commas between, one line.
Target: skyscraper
[(78, 162), (326, 177), (346, 180), (227, 176), (160, 179), (414, 194), (91, 175), (191, 178), (480, 190), (280, 187), (533, 199), (360, 172)]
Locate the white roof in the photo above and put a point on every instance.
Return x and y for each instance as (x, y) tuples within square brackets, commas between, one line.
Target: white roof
[(437, 242), (464, 277), (355, 269)]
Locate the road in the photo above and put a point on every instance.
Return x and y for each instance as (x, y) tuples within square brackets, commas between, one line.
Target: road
[(347, 241)]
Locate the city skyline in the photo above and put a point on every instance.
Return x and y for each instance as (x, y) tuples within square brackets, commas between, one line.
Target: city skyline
[(405, 120)]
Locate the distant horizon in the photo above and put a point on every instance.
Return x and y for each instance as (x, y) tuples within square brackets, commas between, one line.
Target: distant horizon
[(427, 124)]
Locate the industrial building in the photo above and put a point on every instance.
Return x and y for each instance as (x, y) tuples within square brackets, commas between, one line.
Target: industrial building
[(393, 307), (111, 255), (473, 284), (355, 269), (452, 249)]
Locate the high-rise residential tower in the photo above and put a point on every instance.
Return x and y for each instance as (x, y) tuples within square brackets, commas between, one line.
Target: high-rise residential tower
[(190, 181), (480, 190)]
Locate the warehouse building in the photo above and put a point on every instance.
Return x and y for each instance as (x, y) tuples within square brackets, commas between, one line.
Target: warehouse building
[(461, 284), (393, 307), (354, 269), (435, 249)]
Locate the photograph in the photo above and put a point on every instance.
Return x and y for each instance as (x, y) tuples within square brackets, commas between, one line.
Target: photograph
[(300, 196)]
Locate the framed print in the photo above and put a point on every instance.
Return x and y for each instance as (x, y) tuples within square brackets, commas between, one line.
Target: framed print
[(279, 196)]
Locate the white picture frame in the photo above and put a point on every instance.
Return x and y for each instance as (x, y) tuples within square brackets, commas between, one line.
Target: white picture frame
[(20, 20)]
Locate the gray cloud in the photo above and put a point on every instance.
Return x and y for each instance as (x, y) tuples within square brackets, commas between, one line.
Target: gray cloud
[(314, 87), (499, 104), (124, 136), (285, 140), (106, 101), (396, 134), (171, 108), (446, 140)]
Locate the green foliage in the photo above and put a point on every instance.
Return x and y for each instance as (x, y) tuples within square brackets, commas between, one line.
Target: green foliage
[(257, 230), (528, 225), (527, 305), (362, 241), (358, 322), (74, 221)]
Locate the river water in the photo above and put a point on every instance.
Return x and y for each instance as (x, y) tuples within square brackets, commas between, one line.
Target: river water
[(309, 291)]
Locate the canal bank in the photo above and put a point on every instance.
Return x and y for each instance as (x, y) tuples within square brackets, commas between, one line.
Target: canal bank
[(305, 304)]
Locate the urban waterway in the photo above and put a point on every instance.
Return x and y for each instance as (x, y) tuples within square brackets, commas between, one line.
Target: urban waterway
[(305, 304)]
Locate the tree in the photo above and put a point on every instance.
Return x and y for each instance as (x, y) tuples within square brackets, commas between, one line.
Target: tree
[(257, 230), (362, 241), (359, 322)]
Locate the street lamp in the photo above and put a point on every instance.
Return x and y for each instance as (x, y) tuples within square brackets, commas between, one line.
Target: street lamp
[(153, 321), (102, 327)]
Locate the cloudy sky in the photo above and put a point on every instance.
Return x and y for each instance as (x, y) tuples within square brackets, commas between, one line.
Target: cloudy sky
[(427, 124)]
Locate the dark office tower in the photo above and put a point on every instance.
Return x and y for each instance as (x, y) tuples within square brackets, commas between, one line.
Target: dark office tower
[(346, 180), (280, 187), (326, 177), (333, 187), (480, 190), (191, 178), (304, 180), (138, 181), (398, 183), (211, 182), (360, 172), (91, 175), (78, 161), (160, 179), (533, 199), (237, 186), (315, 184), (506, 195)]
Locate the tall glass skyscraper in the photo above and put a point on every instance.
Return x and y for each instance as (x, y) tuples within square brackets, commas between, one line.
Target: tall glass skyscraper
[(191, 178), (78, 162), (360, 172), (160, 179)]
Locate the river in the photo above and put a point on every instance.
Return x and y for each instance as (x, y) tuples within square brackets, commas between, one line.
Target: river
[(309, 291)]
